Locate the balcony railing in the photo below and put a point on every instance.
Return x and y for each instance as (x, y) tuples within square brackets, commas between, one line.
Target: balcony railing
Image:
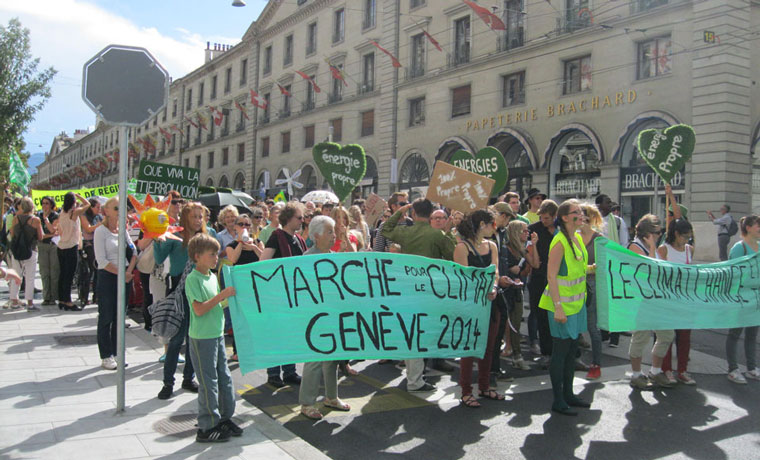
[(239, 127), (414, 72), (367, 88), (307, 106), (334, 97), (225, 131), (197, 140), (209, 137), (639, 6), (264, 119), (461, 56), (574, 23), (284, 113), (512, 39)]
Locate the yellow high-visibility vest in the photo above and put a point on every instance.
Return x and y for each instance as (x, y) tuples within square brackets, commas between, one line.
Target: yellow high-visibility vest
[(572, 286)]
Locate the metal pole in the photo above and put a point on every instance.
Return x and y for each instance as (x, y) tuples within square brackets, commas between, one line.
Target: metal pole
[(121, 280), (656, 207)]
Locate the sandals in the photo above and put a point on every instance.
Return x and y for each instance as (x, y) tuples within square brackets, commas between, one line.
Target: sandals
[(311, 412), (470, 401), (346, 369), (336, 404), (492, 394)]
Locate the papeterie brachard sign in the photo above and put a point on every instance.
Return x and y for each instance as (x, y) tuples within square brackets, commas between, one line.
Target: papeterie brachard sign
[(641, 179), (573, 184)]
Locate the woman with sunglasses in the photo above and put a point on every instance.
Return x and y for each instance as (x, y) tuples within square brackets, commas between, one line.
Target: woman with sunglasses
[(590, 231), (48, 255), (70, 233), (307, 216)]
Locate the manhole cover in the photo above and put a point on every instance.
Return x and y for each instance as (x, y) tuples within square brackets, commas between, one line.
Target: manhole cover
[(180, 426), (76, 339)]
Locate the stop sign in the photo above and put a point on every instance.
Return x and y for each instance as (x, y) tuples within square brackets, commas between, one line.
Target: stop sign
[(125, 85)]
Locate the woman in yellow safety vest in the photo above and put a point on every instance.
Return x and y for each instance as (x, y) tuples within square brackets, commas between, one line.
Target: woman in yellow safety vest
[(565, 300)]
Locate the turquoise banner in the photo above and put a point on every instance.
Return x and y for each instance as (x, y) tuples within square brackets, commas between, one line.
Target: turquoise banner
[(357, 306), (640, 293)]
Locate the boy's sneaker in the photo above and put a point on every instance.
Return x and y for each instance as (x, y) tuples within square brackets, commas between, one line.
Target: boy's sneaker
[(216, 434), (641, 382), (424, 388), (671, 377), (736, 377), (661, 380), (275, 381), (190, 386), (166, 392), (232, 427), (754, 374), (686, 379), (108, 364)]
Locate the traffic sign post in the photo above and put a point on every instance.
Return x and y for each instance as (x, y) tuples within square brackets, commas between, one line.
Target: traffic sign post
[(125, 86)]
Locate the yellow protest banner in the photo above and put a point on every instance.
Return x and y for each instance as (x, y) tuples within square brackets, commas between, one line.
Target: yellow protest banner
[(57, 195)]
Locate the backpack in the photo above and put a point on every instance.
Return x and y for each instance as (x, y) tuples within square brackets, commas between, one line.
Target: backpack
[(20, 244), (167, 314), (733, 227)]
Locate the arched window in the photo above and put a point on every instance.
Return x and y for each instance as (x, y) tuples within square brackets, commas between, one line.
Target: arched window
[(309, 180), (209, 182), (369, 183), (574, 168), (239, 183), (629, 155), (223, 182), (414, 173), (518, 162)]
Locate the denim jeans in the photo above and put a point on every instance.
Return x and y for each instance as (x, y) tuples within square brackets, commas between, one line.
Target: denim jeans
[(216, 395), (287, 370), (105, 289), (750, 344), (593, 328)]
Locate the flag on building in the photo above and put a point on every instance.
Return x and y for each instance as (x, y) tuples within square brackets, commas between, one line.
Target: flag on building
[(218, 115), (178, 129), (19, 175), (167, 135), (432, 40), (257, 100), (394, 61), (187, 119), (242, 109), (487, 16), (134, 150), (310, 80), (202, 121), (283, 91), (280, 197), (337, 73)]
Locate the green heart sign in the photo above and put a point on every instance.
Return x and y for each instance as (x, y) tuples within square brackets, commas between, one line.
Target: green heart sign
[(666, 152), (342, 167), (488, 162)]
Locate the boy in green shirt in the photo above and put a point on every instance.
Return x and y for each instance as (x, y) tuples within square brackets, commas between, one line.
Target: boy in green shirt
[(216, 396)]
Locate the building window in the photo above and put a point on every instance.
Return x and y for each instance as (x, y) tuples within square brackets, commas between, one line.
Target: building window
[(577, 15), (369, 14), (285, 141), (227, 80), (462, 40), (638, 6), (311, 39), (210, 160), (513, 89), (241, 152), (174, 108), (163, 115), (288, 56), (197, 162), (460, 101), (225, 156), (368, 74), (654, 58), (214, 80), (243, 72), (310, 95), (577, 75), (268, 60), (417, 67), (368, 123), (337, 129), (339, 25), (268, 99), (308, 136), (337, 85), (189, 98), (201, 87), (417, 111), (416, 3), (265, 146), (285, 102), (301, 2), (514, 19), (186, 162)]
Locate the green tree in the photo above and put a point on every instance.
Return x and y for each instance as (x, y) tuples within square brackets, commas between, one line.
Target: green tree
[(23, 90)]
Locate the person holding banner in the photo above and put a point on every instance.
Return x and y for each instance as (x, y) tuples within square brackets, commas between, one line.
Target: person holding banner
[(750, 228), (285, 242), (564, 299), (648, 231), (345, 241), (538, 322), (476, 251), (590, 231), (70, 233), (48, 256), (322, 231), (677, 249)]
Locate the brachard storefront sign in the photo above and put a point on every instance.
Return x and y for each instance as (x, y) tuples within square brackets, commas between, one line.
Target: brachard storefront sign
[(552, 110), (641, 179), (574, 184)]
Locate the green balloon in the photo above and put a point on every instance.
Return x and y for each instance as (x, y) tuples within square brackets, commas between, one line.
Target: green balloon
[(342, 167), (667, 151), (488, 162)]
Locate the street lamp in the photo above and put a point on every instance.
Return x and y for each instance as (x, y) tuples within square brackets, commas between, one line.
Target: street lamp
[(238, 3)]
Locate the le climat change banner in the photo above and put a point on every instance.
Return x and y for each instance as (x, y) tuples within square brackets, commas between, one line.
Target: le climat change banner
[(640, 293), (357, 306)]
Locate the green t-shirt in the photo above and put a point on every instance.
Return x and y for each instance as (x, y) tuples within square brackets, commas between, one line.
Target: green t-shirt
[(200, 287), (740, 249)]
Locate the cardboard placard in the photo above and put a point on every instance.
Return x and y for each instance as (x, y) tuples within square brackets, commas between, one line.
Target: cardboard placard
[(458, 189), (159, 178), (374, 208)]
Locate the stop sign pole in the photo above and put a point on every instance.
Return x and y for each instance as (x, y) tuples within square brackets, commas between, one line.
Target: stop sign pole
[(125, 86)]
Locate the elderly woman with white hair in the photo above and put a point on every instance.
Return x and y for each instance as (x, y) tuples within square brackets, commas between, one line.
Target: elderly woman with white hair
[(227, 218), (322, 232)]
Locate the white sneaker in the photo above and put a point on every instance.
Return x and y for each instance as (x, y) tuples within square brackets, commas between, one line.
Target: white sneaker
[(754, 374), (736, 377), (108, 364)]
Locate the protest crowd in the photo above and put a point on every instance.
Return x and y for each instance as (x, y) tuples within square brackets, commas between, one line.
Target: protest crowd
[(545, 275)]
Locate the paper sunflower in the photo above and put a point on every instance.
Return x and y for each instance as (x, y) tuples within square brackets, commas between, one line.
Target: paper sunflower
[(151, 217)]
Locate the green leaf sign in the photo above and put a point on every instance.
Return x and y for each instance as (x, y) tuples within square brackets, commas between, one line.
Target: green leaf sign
[(667, 151), (489, 162), (342, 167)]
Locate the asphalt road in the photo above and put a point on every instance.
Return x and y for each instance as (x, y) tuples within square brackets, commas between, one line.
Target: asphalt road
[(709, 421)]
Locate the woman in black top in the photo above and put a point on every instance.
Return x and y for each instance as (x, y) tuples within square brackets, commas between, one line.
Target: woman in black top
[(244, 249)]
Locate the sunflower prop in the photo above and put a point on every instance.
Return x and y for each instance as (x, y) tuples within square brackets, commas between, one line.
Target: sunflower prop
[(151, 217)]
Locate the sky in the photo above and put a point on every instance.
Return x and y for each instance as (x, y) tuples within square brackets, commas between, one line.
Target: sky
[(66, 33)]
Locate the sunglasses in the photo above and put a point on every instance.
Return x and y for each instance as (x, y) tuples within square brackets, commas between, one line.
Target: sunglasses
[(258, 217), (241, 224), (299, 217), (178, 201), (403, 203)]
